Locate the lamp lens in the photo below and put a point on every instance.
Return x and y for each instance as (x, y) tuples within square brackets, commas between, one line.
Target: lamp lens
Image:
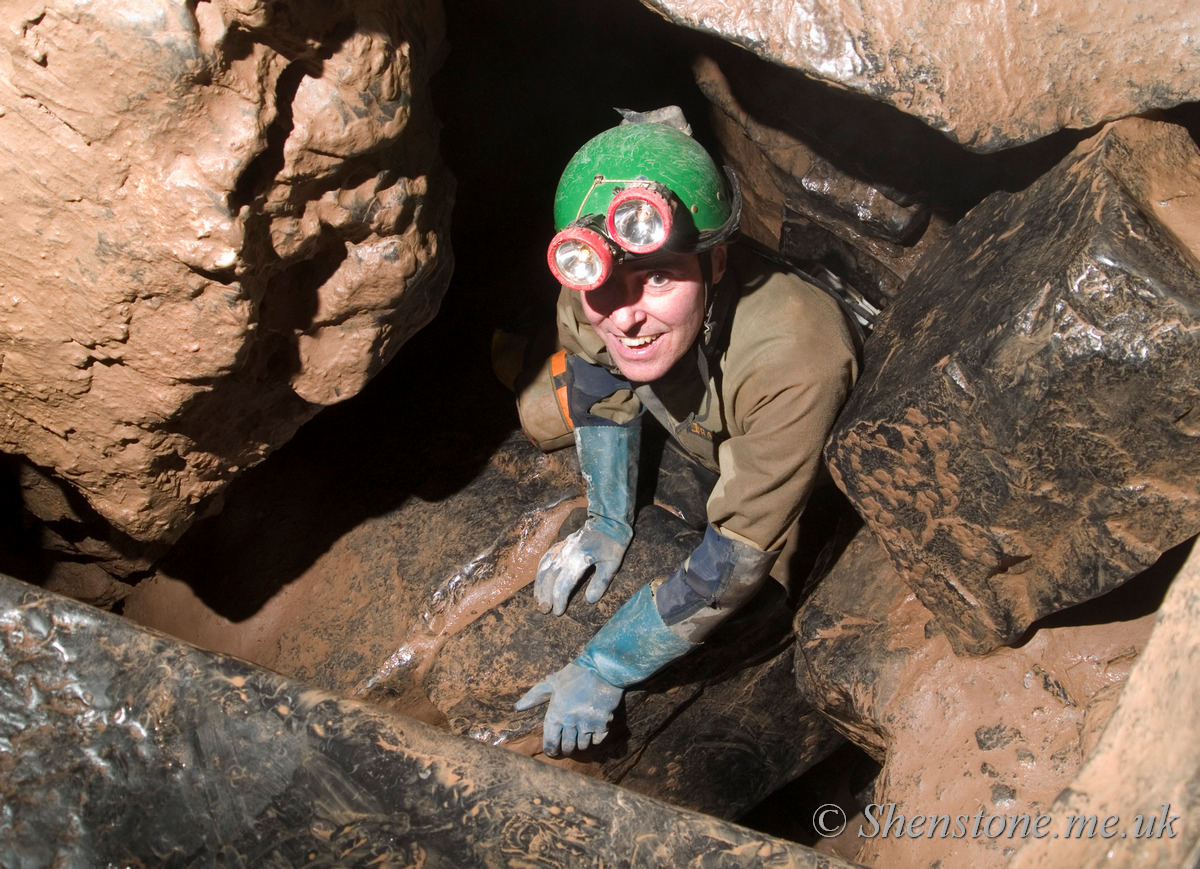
[(639, 219), (578, 262), (639, 225)]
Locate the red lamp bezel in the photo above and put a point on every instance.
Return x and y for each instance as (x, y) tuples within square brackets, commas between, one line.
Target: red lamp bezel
[(593, 240)]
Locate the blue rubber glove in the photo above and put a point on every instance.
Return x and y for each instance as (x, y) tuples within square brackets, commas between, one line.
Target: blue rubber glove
[(581, 708), (608, 459), (631, 647), (565, 564)]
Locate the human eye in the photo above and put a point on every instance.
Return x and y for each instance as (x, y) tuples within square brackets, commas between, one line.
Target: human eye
[(657, 279)]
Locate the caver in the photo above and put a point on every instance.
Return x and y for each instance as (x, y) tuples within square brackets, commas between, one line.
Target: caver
[(743, 362)]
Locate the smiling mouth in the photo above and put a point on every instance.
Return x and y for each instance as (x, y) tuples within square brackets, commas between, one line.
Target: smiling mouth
[(638, 342)]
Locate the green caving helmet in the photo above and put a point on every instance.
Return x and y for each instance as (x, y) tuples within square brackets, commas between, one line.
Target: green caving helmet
[(657, 153), (635, 189)]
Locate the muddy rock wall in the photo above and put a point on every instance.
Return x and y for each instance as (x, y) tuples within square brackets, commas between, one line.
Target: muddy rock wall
[(219, 218), (989, 75)]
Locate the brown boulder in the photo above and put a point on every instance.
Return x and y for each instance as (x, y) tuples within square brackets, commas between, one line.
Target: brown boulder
[(1023, 437), (219, 217), (982, 738)]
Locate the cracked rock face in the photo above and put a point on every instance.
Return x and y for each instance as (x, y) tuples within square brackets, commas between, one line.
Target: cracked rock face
[(989, 75), (219, 217)]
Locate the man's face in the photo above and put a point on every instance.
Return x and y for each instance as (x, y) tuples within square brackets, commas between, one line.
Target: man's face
[(650, 311)]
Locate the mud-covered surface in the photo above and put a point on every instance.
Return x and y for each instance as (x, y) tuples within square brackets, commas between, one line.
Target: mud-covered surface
[(1012, 727), (123, 747), (1023, 438), (427, 608), (239, 221), (1143, 769)]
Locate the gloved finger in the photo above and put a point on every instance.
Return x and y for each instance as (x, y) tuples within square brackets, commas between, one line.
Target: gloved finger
[(568, 738), (552, 738), (535, 696), (584, 740), (598, 736), (559, 571), (548, 572), (567, 580), (600, 582)]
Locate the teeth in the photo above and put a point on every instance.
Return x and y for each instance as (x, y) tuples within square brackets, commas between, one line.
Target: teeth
[(638, 342)]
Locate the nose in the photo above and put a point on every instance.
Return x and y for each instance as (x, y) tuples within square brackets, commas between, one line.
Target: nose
[(629, 315), (620, 300)]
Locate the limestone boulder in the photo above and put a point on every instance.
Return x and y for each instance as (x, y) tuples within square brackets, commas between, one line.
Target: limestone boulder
[(1024, 436), (989, 75), (125, 747), (219, 218)]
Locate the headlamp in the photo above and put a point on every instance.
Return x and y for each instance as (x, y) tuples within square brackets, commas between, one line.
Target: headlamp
[(580, 258), (638, 220)]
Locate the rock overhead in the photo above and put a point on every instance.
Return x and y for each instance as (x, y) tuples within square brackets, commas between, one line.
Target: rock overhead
[(989, 75)]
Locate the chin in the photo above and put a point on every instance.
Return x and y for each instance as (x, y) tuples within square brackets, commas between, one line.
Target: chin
[(647, 370), (644, 372)]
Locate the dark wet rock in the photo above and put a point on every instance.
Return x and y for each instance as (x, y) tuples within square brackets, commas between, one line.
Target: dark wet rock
[(797, 198), (123, 747), (846, 652), (1023, 438), (833, 179)]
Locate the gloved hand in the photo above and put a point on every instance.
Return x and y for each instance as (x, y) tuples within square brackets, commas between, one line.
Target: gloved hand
[(581, 708), (564, 564), (608, 458), (631, 647)]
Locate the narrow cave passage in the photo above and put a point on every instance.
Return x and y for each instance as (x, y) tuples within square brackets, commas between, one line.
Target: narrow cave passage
[(395, 512)]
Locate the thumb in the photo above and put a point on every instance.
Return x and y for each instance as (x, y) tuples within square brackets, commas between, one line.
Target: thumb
[(535, 696)]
